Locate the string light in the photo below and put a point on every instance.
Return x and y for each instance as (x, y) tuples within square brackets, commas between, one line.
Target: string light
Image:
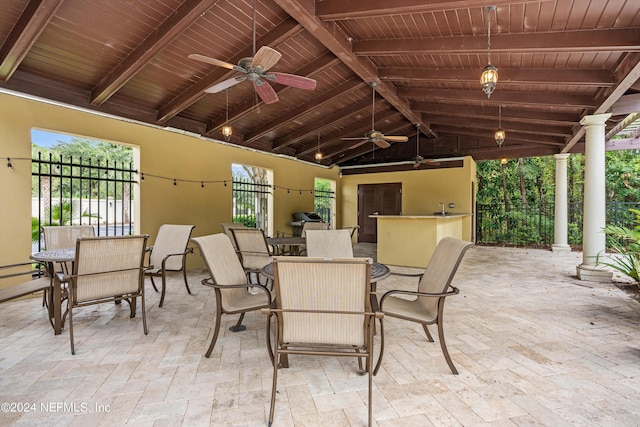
[(9, 165)]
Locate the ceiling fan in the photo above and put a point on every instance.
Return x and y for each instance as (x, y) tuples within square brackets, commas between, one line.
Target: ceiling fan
[(418, 160), (374, 136), (255, 69)]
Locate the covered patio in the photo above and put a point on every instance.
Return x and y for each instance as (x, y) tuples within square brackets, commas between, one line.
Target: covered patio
[(534, 346)]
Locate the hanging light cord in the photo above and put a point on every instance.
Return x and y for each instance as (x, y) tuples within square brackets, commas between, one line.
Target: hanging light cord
[(489, 37)]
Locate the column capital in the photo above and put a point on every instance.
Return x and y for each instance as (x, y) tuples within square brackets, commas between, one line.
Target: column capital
[(561, 156), (595, 119)]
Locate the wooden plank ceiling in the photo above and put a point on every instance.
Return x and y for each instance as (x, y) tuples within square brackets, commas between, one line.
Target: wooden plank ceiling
[(558, 61)]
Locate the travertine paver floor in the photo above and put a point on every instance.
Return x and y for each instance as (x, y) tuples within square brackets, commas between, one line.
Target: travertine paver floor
[(534, 347)]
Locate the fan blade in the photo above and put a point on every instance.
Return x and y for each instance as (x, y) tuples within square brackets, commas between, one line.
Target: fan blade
[(381, 143), (265, 92), (217, 62), (225, 84), (392, 138), (355, 139), (266, 58), (430, 162), (292, 80)]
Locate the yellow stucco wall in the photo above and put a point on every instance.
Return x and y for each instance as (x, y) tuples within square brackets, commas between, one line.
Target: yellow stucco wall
[(162, 153), (187, 157), (422, 191)]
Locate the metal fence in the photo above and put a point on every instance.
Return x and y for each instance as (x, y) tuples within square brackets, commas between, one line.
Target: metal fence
[(534, 225), (251, 202), (322, 202), (80, 191)]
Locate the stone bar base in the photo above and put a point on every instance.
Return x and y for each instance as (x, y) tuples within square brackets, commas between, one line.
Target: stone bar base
[(592, 273)]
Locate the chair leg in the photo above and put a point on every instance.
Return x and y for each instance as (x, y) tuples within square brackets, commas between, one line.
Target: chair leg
[(164, 288), (443, 345), (153, 284), (184, 273), (375, 371), (73, 351), (426, 331), (269, 338), (275, 378), (144, 315), (215, 332)]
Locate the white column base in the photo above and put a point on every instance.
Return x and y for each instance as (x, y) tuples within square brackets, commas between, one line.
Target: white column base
[(560, 248), (593, 273)]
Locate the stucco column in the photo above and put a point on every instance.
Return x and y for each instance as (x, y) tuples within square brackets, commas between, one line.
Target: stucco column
[(560, 228), (593, 238)]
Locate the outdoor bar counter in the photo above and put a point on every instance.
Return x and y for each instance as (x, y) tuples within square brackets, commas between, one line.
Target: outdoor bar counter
[(410, 240)]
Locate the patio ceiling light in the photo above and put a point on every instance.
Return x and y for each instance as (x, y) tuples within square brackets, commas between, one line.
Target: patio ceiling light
[(489, 77)]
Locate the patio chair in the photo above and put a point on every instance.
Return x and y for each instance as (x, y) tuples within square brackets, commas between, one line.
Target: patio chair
[(106, 269), (323, 307), (312, 225), (227, 226), (18, 280), (253, 250), (329, 244), (229, 281), (352, 229), (65, 236), (433, 287), (169, 253)]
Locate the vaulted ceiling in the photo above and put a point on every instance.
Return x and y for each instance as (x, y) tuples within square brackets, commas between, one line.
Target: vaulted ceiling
[(558, 60)]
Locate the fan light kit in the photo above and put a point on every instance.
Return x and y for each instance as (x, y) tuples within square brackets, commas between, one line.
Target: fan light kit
[(489, 77), (255, 69)]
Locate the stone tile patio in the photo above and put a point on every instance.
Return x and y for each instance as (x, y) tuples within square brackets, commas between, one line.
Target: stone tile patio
[(534, 347)]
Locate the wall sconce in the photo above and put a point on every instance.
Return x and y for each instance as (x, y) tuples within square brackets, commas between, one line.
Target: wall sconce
[(227, 131), (489, 77)]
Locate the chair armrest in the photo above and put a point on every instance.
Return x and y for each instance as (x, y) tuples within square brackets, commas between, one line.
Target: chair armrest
[(408, 274), (186, 251), (209, 282), (22, 264), (453, 291)]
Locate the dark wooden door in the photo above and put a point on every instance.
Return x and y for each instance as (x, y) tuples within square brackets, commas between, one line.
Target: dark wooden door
[(381, 199)]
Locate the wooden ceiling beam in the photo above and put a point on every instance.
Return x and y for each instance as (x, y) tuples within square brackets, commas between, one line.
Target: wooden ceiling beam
[(156, 41), (565, 77), (500, 97), (491, 124), (279, 34), (340, 9), (315, 128), (32, 22), (317, 101), (613, 40), (525, 115), (339, 43), (528, 137)]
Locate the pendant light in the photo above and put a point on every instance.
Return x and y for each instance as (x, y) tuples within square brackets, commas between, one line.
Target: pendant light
[(489, 77), (227, 131), (318, 154), (499, 135)]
